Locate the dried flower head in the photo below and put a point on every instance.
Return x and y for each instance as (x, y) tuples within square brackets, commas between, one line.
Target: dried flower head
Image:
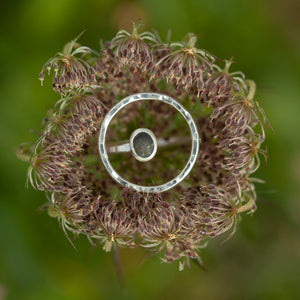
[(185, 65), (131, 49), (65, 163), (72, 69), (222, 83)]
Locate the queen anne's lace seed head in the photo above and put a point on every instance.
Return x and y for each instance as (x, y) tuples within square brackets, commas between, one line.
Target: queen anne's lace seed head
[(64, 161), (72, 69), (185, 65), (221, 84), (131, 49)]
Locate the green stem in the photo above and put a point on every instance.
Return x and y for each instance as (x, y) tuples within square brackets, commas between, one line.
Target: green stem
[(117, 262), (227, 66), (136, 25)]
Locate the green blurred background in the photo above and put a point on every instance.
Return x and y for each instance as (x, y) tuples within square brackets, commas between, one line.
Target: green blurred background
[(261, 261)]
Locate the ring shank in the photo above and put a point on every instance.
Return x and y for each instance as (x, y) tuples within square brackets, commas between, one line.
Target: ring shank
[(161, 142)]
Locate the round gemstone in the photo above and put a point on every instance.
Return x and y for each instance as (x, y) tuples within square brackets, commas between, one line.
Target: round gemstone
[(143, 144)]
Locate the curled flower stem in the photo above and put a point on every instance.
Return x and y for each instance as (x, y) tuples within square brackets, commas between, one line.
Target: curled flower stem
[(252, 89), (246, 207), (192, 41)]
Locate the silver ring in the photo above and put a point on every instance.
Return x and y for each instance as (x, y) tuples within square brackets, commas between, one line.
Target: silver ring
[(194, 149)]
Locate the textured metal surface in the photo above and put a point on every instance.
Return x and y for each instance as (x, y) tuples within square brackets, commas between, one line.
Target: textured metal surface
[(140, 97)]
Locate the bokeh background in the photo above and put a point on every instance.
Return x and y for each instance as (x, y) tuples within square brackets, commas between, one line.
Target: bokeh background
[(261, 261)]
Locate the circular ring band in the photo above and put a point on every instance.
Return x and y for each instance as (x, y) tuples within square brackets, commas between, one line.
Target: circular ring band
[(194, 149)]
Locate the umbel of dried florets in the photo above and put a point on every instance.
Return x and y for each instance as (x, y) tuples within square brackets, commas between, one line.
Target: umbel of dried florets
[(131, 49), (64, 161), (185, 64), (72, 68), (222, 83)]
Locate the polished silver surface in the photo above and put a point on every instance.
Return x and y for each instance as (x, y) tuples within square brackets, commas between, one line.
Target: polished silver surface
[(104, 155), (120, 148)]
